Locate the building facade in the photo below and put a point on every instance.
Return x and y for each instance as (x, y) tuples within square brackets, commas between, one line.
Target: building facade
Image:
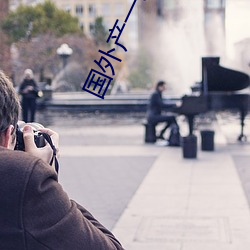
[(87, 10), (111, 10), (5, 62), (15, 3), (147, 11)]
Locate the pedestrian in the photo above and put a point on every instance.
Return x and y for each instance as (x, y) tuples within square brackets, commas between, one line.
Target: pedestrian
[(29, 92), (155, 108), (35, 212)]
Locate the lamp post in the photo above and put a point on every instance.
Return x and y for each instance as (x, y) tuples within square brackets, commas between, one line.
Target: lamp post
[(64, 51)]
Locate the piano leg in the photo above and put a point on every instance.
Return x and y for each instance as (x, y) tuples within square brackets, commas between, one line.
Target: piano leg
[(243, 114), (190, 123)]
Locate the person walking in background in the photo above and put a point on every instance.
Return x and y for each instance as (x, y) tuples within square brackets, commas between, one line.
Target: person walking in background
[(29, 92), (154, 110)]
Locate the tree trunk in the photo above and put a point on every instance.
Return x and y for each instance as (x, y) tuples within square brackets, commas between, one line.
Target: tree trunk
[(5, 58)]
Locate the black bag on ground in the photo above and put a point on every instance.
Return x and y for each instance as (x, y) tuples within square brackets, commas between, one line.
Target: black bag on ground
[(174, 136)]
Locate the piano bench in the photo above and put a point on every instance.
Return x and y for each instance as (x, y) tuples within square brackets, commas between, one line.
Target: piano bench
[(150, 132)]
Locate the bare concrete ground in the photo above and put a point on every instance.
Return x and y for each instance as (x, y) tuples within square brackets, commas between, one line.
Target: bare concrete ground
[(240, 151), (101, 182), (104, 182)]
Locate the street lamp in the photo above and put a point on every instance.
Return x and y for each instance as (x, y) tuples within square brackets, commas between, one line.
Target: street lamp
[(64, 51)]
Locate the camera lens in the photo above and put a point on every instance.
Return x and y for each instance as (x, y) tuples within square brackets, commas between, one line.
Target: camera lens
[(35, 125), (38, 137)]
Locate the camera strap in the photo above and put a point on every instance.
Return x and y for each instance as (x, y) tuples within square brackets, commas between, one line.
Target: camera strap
[(48, 139)]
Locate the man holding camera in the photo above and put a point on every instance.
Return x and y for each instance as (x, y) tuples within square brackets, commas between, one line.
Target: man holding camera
[(35, 212)]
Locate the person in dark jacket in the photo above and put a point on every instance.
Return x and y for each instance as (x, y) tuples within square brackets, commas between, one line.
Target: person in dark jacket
[(29, 91), (155, 107), (35, 212)]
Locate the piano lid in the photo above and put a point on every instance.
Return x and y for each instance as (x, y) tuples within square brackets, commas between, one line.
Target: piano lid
[(218, 78)]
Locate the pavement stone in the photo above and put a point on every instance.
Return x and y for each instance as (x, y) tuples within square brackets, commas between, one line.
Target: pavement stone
[(173, 203), (103, 184), (205, 209)]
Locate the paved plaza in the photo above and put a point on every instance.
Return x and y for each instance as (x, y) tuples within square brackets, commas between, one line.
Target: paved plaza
[(149, 195)]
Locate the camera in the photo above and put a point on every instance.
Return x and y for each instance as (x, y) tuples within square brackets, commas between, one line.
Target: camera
[(38, 137)]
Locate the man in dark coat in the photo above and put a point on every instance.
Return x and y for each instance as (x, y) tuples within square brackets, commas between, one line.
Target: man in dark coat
[(155, 107), (35, 212)]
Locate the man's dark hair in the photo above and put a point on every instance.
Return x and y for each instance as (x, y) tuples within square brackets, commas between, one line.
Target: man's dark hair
[(9, 104), (159, 84)]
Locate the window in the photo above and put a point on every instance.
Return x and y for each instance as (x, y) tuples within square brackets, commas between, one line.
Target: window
[(106, 9), (67, 8), (91, 27), (82, 26), (171, 4), (92, 10), (214, 4), (79, 10), (108, 24)]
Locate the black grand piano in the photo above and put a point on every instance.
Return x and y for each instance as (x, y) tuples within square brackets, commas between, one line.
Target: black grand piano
[(220, 89)]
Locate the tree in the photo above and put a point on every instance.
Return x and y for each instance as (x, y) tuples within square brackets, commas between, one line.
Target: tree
[(5, 63), (50, 28), (141, 74), (99, 32), (42, 18), (40, 54)]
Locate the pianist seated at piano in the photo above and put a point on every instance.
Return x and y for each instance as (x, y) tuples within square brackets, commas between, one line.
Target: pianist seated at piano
[(155, 108)]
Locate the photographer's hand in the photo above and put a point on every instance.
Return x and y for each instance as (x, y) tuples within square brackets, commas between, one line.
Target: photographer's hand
[(45, 153)]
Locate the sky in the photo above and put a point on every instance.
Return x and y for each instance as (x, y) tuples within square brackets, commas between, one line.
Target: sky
[(237, 23)]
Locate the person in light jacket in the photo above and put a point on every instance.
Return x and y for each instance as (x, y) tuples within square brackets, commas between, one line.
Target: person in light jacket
[(29, 92)]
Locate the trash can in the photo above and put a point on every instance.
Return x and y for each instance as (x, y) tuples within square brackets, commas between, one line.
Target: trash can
[(207, 140), (189, 146), (150, 133)]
